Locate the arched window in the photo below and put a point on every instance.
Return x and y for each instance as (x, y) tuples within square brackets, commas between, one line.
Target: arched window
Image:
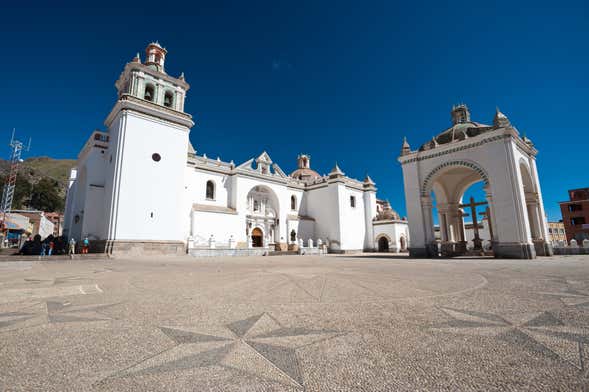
[(293, 202), (293, 235), (256, 206), (210, 190), (169, 99), (353, 201), (149, 92)]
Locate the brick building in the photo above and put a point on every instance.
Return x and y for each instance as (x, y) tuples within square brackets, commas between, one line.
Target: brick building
[(575, 214)]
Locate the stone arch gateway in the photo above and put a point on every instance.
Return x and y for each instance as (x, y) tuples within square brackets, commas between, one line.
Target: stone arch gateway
[(460, 156)]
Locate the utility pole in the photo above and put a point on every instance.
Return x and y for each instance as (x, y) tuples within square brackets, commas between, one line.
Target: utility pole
[(8, 193)]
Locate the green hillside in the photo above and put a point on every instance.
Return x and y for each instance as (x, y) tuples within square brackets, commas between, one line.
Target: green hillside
[(41, 182)]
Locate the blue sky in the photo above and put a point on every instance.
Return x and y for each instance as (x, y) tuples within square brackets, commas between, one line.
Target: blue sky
[(341, 81)]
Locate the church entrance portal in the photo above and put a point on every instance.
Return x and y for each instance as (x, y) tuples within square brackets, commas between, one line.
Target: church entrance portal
[(262, 217), (257, 238), (383, 244)]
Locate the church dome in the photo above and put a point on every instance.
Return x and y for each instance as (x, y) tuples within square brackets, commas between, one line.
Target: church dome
[(304, 171), (304, 174), (386, 212), (462, 129)]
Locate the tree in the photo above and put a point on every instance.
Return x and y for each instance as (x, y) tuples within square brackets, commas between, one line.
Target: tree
[(45, 197)]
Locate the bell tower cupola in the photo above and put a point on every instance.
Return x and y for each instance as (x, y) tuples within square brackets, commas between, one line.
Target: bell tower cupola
[(460, 114), (149, 82), (155, 56), (304, 161)]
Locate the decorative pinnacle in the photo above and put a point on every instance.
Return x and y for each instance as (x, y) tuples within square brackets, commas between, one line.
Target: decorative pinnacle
[(368, 181), (406, 148), (336, 171)]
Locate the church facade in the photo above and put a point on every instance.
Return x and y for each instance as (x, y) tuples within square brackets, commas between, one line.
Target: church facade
[(140, 187)]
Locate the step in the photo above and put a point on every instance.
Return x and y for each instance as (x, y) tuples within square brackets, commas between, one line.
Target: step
[(89, 256), (283, 253)]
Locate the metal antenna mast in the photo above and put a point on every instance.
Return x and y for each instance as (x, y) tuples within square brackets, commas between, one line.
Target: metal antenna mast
[(8, 194)]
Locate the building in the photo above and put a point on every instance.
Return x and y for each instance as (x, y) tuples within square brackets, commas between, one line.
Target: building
[(41, 225), (575, 215), (391, 232), (56, 218), (18, 226), (466, 153), (557, 233), (140, 186)]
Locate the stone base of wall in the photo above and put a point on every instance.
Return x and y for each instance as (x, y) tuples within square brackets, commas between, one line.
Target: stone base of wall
[(122, 248), (543, 248), (344, 251), (311, 251), (504, 250), (421, 253), (225, 252), (568, 250)]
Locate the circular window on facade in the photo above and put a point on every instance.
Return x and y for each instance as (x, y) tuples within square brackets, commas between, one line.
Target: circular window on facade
[(156, 157)]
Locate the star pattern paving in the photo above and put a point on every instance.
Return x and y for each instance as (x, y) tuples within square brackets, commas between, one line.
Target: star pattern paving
[(574, 294), (257, 346), (541, 332)]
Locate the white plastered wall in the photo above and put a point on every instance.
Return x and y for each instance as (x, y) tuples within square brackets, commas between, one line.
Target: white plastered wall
[(147, 198)]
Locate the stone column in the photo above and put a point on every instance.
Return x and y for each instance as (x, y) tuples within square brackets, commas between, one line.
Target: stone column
[(428, 222)]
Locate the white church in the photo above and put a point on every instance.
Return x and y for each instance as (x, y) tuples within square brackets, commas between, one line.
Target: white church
[(140, 188)]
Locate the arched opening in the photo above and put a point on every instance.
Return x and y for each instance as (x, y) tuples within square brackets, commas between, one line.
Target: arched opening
[(403, 243), (383, 244), (257, 238), (262, 212), (210, 190), (149, 93), (293, 202), (169, 99), (456, 199)]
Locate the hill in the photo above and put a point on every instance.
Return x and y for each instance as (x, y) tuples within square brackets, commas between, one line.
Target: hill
[(33, 169), (41, 182)]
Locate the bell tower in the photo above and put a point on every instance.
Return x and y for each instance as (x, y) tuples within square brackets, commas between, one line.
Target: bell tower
[(148, 129)]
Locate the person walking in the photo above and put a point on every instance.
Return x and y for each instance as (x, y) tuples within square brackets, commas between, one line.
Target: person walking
[(85, 245), (72, 247)]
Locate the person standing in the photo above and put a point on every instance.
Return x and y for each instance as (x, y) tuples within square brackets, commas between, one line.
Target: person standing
[(51, 246), (72, 247), (85, 245), (43, 248)]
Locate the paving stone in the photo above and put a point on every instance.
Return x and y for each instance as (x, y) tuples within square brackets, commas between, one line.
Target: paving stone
[(290, 323)]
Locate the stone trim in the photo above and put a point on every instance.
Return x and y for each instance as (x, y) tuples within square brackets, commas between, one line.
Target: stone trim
[(138, 105), (388, 222), (299, 217), (215, 209), (453, 150), (464, 163)]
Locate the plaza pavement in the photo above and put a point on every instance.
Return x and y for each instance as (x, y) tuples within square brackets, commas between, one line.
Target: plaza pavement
[(295, 323)]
